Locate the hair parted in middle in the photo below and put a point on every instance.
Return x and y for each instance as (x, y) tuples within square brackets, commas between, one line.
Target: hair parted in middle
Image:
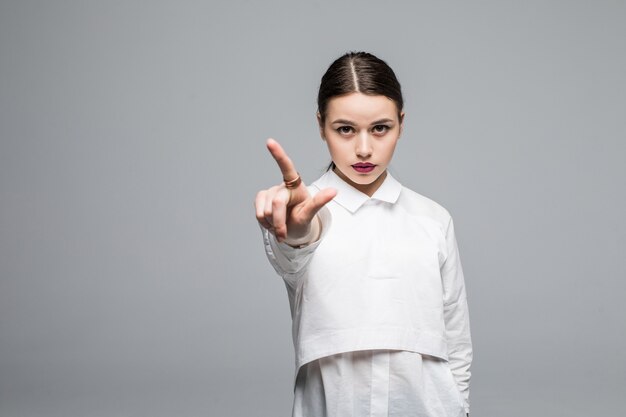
[(358, 72)]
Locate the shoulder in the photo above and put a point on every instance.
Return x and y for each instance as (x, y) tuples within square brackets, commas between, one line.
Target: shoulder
[(320, 183), (313, 188), (419, 205)]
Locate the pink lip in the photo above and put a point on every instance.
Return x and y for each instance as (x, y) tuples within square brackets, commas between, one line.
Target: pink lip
[(364, 167)]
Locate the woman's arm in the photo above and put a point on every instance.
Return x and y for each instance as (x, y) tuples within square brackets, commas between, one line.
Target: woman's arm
[(456, 316), (292, 220)]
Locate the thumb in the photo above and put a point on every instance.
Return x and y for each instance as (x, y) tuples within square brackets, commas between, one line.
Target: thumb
[(319, 200)]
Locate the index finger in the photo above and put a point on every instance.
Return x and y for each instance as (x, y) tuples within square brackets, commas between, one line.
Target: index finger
[(283, 161)]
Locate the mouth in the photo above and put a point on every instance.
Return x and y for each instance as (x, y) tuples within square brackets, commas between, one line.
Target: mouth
[(364, 167)]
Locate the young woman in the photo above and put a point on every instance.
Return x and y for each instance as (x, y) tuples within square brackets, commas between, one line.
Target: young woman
[(372, 269)]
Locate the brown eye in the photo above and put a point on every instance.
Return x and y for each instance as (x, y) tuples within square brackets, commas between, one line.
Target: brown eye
[(344, 130), (381, 128)]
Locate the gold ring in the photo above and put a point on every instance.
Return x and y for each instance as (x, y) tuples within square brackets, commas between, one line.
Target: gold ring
[(294, 183)]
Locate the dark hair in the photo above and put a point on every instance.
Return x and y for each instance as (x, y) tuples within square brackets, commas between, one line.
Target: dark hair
[(358, 72)]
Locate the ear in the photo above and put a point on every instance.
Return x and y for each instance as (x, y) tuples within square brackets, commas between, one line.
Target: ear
[(321, 126), (401, 124)]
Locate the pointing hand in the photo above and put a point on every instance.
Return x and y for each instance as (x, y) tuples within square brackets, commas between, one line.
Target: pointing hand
[(288, 212)]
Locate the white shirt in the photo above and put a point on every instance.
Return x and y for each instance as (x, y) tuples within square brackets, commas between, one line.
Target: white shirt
[(385, 274), (377, 383)]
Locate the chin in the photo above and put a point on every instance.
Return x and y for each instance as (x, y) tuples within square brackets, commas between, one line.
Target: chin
[(360, 179), (363, 181), (366, 179)]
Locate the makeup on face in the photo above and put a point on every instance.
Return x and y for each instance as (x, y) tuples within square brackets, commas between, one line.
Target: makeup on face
[(364, 167), (361, 132)]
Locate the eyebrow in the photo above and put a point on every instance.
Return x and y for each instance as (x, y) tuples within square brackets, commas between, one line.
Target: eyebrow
[(349, 123)]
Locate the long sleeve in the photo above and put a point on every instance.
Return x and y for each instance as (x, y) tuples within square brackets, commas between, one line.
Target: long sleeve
[(289, 262), (456, 316)]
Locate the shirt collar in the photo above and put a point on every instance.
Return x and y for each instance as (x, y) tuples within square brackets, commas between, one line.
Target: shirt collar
[(351, 198)]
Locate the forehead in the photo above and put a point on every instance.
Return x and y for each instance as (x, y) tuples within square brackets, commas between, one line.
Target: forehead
[(360, 107)]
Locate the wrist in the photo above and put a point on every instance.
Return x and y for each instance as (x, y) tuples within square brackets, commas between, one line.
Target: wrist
[(313, 235)]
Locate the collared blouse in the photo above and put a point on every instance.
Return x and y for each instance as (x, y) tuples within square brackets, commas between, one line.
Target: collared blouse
[(385, 274)]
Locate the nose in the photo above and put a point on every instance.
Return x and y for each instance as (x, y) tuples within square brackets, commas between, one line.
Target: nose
[(364, 145)]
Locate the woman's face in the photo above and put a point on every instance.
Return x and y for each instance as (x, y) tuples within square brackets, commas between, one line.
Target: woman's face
[(361, 132)]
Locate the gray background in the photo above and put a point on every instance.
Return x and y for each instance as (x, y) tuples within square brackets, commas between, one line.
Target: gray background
[(133, 279)]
